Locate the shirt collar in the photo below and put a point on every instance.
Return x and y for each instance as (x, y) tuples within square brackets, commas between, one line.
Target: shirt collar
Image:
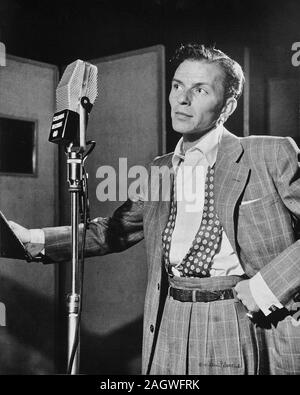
[(208, 145)]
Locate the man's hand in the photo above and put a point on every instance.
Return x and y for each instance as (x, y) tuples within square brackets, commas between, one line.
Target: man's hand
[(22, 233), (244, 294)]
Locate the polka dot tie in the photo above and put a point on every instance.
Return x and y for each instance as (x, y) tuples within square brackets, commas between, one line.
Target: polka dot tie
[(198, 260)]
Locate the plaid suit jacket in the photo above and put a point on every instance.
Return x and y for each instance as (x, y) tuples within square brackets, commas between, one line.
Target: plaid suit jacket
[(257, 193)]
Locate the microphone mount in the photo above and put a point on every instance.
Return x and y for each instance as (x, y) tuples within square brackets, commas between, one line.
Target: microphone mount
[(86, 104)]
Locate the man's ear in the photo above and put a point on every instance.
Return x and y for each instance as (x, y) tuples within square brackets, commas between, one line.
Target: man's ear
[(228, 109)]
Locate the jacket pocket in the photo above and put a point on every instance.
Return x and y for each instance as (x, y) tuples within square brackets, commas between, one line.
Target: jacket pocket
[(260, 203)]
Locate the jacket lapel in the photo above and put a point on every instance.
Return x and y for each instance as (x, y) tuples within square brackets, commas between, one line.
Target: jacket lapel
[(230, 181)]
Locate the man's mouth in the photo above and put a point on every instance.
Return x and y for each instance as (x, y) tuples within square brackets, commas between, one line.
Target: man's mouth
[(180, 114)]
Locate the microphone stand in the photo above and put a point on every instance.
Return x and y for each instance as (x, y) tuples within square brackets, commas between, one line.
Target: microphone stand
[(75, 161), (74, 298)]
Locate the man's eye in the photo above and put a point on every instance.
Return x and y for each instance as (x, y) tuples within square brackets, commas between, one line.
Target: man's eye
[(200, 90), (176, 86)]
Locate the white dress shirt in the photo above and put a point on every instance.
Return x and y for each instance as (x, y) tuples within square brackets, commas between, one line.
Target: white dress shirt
[(190, 184)]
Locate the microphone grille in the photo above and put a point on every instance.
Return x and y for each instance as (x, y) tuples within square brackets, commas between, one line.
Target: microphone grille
[(92, 83), (68, 91)]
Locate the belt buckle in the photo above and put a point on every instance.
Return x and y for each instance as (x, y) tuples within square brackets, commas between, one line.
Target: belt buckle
[(222, 295)]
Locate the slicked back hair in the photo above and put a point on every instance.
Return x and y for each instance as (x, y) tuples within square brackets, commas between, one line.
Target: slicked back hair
[(233, 73)]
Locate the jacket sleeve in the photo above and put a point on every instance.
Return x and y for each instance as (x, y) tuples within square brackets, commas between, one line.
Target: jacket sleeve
[(282, 274), (104, 235)]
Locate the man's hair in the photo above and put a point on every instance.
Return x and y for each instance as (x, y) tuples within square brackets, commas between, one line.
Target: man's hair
[(233, 73)]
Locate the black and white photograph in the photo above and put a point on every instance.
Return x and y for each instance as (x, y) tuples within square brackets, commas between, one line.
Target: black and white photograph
[(149, 190)]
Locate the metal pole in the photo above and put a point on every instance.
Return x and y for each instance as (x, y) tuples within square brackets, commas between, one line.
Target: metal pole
[(73, 299), (75, 240), (75, 180)]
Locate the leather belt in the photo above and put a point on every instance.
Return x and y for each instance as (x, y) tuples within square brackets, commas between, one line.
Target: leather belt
[(196, 295)]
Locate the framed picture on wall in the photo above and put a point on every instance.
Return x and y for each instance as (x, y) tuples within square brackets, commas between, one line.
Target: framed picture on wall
[(18, 146)]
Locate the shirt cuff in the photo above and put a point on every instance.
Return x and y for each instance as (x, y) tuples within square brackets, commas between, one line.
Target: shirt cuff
[(263, 296), (37, 238)]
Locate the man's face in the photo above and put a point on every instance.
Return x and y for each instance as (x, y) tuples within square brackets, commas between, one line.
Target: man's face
[(196, 97)]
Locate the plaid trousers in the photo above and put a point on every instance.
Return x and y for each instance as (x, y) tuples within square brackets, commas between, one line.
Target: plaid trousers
[(214, 338)]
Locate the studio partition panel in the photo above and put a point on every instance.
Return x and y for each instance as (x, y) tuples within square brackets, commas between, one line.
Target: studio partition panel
[(283, 107), (28, 195), (128, 125)]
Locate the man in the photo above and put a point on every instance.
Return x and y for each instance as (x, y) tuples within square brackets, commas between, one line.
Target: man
[(229, 254)]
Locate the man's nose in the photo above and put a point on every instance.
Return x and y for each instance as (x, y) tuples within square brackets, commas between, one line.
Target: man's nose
[(184, 97)]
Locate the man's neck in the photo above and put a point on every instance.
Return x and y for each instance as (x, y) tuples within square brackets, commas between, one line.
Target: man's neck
[(188, 143), (190, 140)]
